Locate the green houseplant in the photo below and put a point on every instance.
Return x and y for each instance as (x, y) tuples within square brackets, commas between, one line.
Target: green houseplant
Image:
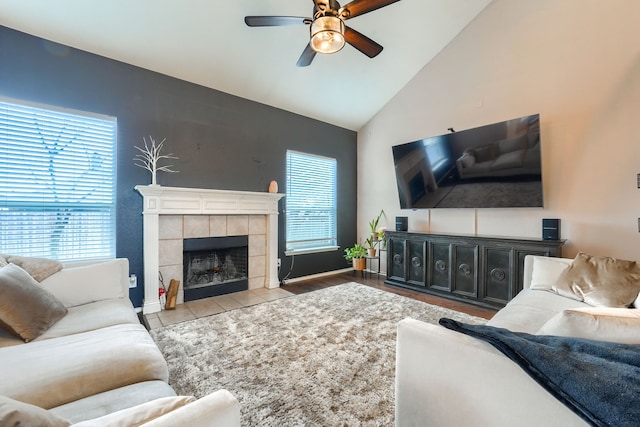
[(373, 225), (371, 245), (382, 236), (356, 255)]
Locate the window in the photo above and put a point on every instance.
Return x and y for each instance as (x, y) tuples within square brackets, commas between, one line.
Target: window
[(310, 203), (57, 183)]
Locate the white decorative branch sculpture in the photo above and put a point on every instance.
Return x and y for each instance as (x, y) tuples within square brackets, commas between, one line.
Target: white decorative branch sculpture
[(149, 158)]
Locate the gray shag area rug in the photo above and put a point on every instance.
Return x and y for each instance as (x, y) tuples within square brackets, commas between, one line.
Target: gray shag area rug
[(324, 358)]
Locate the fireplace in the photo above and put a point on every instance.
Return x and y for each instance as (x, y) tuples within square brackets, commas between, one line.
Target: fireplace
[(172, 214), (215, 266)]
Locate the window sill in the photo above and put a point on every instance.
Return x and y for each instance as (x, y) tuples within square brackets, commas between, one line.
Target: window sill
[(312, 250)]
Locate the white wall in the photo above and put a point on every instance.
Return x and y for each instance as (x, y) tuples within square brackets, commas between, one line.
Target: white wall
[(577, 63)]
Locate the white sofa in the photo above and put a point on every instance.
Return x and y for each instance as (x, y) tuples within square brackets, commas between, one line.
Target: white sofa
[(98, 365), (445, 378)]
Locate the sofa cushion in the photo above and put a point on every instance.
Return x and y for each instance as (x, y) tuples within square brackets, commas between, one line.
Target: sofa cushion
[(14, 413), (26, 309), (92, 316), (104, 403), (219, 408), (38, 268), (512, 160), (600, 281), (140, 414), (83, 318), (56, 371), (620, 325), (531, 309)]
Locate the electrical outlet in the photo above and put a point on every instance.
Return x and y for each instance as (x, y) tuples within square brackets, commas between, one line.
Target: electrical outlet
[(133, 281), (279, 263)]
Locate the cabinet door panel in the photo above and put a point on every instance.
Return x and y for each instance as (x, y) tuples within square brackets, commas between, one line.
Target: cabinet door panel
[(440, 266), (498, 275), (416, 261), (395, 261), (465, 271)]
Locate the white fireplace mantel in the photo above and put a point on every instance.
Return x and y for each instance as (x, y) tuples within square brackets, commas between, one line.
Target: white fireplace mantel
[(159, 200)]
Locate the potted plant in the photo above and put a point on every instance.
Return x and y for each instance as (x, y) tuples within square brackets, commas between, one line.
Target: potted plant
[(382, 236), (371, 246), (373, 225), (356, 254)]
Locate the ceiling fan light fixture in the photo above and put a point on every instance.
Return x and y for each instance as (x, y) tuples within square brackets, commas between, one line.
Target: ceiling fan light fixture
[(327, 34)]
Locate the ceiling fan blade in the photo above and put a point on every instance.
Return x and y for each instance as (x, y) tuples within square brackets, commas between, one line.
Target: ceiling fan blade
[(361, 42), (307, 56), (275, 21), (360, 7)]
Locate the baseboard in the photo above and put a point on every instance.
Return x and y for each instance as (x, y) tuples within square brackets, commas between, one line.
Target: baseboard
[(316, 276), (325, 274)]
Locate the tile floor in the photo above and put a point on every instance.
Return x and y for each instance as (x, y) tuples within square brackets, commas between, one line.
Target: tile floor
[(214, 305)]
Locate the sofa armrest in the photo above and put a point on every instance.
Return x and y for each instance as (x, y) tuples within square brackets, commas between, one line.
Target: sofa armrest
[(444, 378), (220, 409), (93, 282)]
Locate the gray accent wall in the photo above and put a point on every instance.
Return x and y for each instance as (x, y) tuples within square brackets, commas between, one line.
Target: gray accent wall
[(222, 141)]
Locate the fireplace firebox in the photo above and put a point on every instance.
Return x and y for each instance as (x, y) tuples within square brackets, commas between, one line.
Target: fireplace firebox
[(215, 266)]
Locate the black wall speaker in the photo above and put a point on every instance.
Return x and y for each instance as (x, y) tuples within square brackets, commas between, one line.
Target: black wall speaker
[(550, 229), (402, 223)]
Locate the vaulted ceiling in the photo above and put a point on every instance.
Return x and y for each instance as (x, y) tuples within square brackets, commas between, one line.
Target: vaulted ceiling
[(207, 42)]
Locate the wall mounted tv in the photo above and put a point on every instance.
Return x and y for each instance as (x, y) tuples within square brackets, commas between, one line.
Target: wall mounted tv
[(492, 166)]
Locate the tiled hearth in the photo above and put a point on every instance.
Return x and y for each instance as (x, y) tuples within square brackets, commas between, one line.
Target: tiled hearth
[(215, 305), (172, 214)]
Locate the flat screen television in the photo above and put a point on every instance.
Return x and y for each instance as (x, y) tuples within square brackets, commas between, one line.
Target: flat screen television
[(492, 166)]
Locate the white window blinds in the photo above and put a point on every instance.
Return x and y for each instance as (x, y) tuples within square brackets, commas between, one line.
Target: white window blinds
[(310, 203), (57, 183)]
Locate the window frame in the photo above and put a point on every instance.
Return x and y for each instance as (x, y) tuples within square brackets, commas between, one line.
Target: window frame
[(332, 244), (97, 206)]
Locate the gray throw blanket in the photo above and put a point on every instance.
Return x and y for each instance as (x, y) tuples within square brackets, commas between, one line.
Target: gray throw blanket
[(599, 381)]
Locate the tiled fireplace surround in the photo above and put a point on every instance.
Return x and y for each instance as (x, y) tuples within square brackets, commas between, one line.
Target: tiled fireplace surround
[(172, 214)]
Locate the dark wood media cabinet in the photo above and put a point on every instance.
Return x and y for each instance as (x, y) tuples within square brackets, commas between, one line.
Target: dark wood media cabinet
[(482, 270)]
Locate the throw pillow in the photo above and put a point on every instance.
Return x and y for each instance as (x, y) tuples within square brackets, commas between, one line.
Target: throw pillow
[(16, 413), (140, 414), (600, 281), (621, 325), (545, 272), (26, 309), (38, 268)]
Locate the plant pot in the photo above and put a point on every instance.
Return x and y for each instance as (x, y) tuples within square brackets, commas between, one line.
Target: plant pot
[(375, 236), (359, 264), (372, 252)]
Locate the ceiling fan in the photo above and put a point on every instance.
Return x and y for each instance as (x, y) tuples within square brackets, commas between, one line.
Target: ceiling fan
[(328, 32)]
